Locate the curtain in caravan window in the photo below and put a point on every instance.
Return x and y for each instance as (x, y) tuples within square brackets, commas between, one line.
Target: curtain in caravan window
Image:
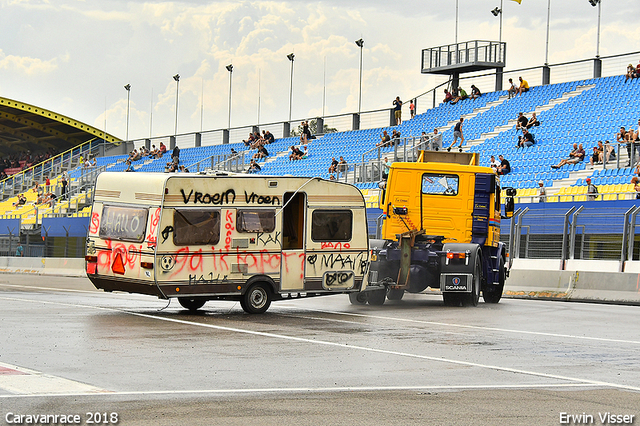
[(331, 225), (196, 227)]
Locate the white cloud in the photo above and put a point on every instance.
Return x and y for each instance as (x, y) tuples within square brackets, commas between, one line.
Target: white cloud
[(27, 65)]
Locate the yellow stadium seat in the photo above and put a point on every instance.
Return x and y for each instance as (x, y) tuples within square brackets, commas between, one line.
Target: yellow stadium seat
[(563, 190), (609, 197), (580, 198), (565, 198), (552, 199), (573, 190)]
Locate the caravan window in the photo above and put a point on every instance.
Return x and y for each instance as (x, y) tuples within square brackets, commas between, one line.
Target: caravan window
[(256, 220), (123, 223), (196, 227), (331, 225)]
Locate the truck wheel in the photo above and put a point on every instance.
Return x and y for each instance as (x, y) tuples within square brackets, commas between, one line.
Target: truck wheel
[(495, 294), (473, 298), (395, 294), (191, 304), (257, 299), (358, 298), (376, 297)]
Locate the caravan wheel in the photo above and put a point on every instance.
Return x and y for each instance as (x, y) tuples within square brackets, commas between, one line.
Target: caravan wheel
[(257, 299), (358, 298), (191, 304)]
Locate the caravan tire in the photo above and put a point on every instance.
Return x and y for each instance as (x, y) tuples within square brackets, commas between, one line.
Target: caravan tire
[(358, 298), (256, 299), (191, 304)]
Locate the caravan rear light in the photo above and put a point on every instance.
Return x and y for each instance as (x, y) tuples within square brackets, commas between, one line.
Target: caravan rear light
[(91, 258), (146, 265)]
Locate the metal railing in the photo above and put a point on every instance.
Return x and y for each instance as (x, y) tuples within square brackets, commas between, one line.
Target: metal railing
[(578, 232)]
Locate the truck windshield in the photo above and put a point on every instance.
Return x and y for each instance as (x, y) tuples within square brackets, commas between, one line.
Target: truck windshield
[(439, 184)]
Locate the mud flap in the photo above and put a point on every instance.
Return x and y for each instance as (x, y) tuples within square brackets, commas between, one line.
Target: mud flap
[(407, 241)]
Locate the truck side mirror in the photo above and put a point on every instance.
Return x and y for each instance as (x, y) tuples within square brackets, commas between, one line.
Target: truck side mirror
[(509, 204)]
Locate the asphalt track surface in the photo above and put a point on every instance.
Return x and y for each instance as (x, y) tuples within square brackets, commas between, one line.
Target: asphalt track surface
[(66, 348)]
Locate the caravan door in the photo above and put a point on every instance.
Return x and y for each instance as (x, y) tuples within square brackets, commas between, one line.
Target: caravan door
[(293, 254)]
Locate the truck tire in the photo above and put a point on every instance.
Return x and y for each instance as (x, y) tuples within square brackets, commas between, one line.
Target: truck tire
[(377, 297), (191, 304), (358, 298), (395, 294), (494, 294), (472, 298), (256, 299)]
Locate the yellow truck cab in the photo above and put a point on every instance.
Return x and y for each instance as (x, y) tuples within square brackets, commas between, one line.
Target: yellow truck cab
[(441, 229), (245, 238)]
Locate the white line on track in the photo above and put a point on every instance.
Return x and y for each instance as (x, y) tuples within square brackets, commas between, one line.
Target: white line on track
[(320, 389), (343, 345)]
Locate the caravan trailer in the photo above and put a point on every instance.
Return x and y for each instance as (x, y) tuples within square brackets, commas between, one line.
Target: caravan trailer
[(251, 239)]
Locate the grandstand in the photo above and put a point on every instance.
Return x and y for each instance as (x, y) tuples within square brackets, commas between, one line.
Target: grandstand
[(582, 111)]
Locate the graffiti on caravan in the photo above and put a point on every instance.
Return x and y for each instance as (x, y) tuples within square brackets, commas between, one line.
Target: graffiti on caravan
[(123, 223), (226, 197)]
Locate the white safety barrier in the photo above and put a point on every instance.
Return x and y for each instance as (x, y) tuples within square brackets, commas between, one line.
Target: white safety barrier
[(70, 267)]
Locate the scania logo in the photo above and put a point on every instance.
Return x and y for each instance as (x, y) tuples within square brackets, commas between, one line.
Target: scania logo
[(455, 280)]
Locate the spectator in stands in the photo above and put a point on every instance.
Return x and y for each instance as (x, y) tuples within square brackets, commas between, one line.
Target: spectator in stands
[(457, 133), (436, 140), (386, 166), (592, 190), (161, 150), (461, 96), (522, 121), (533, 121), (306, 133), (342, 165), (598, 152), (333, 167), (524, 86), (93, 162), (250, 140), (493, 163), (20, 251), (292, 153), (305, 152), (254, 167), (412, 109), (448, 97), (332, 177), (575, 156), (262, 153), (175, 155), (475, 92), (154, 152), (22, 200), (395, 137), (512, 89), (268, 137), (542, 193), (129, 167), (183, 169), (64, 182), (526, 140), (504, 167), (397, 110), (47, 185), (624, 136), (50, 199), (385, 139), (631, 73), (636, 186)]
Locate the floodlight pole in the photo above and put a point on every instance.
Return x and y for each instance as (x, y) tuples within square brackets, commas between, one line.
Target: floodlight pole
[(177, 79), (501, 13), (360, 44), (291, 56), (230, 69), (128, 89), (598, 36), (546, 55), (456, 25)]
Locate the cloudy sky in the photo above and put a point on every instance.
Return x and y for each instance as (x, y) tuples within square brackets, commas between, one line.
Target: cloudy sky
[(75, 56)]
